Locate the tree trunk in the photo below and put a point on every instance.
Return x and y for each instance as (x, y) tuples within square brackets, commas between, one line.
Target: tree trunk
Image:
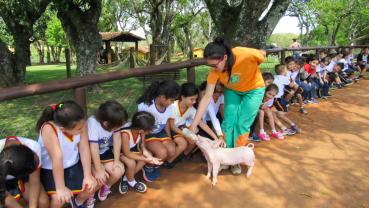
[(48, 55), (40, 50), (7, 66), (82, 32), (334, 33), (240, 24), (188, 41)]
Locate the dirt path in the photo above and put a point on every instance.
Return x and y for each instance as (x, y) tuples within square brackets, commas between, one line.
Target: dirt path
[(327, 165)]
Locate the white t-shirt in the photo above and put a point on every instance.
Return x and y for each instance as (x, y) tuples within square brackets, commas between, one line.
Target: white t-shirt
[(320, 69), (331, 65), (68, 145), (182, 118), (211, 114), (268, 103), (161, 118), (33, 145), (133, 141), (281, 81), (97, 134)]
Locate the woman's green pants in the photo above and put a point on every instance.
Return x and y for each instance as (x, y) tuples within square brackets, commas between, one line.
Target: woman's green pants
[(240, 110)]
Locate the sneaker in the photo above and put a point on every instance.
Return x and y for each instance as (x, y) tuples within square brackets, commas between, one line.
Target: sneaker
[(103, 193), (90, 202), (148, 173), (123, 186), (169, 165), (303, 111), (140, 187), (236, 169), (313, 101), (254, 138), (288, 132), (277, 135), (157, 172), (306, 102), (296, 129), (73, 203), (264, 137)]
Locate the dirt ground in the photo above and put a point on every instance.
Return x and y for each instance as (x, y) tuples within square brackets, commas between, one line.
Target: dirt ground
[(327, 165)]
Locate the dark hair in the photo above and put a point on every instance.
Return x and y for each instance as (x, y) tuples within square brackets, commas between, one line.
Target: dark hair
[(301, 61), (312, 58), (323, 51), (113, 113), (289, 59), (341, 65), (18, 161), (271, 87), (279, 68), (203, 85), (268, 76), (65, 114), (217, 49), (189, 89), (167, 88), (143, 121)]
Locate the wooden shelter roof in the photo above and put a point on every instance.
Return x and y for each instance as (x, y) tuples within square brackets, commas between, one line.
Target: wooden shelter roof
[(120, 36)]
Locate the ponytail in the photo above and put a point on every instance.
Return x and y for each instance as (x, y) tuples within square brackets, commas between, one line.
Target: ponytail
[(66, 114), (18, 161), (167, 88), (217, 49)]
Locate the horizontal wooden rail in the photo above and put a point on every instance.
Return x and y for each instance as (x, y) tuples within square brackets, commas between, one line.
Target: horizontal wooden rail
[(77, 82), (80, 82)]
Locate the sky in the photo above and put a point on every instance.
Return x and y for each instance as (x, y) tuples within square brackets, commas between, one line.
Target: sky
[(287, 25)]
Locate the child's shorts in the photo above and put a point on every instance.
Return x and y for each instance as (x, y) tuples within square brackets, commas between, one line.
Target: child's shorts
[(73, 179), (280, 104), (136, 149), (159, 137), (16, 187), (107, 156)]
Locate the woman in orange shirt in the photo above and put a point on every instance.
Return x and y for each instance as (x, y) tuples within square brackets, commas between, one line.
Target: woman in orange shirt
[(244, 89)]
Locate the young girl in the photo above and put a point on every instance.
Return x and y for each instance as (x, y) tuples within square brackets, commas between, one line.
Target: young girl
[(182, 117), (265, 110), (135, 154), (157, 100), (20, 173), (64, 146), (310, 68), (105, 145), (216, 106)]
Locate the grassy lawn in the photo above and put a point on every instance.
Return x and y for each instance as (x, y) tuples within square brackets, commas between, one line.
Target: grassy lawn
[(19, 116)]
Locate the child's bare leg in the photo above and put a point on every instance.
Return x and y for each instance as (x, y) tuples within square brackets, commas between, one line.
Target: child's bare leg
[(278, 122), (130, 167), (139, 166), (271, 120), (261, 121), (43, 199), (283, 116), (11, 202), (181, 145), (171, 148), (114, 173)]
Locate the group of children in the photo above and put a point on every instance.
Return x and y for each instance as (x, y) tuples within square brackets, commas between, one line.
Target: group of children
[(76, 158), (302, 81)]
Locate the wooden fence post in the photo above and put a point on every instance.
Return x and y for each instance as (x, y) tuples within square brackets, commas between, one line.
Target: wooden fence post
[(80, 97), (283, 55), (131, 57), (67, 62), (152, 55)]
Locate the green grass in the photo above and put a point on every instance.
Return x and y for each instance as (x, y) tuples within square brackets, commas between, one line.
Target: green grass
[(19, 116)]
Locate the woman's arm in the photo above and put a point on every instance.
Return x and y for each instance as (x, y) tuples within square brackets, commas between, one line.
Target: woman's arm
[(203, 106), (34, 188), (85, 154)]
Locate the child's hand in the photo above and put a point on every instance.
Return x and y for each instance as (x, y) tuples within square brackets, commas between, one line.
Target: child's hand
[(89, 183), (101, 175), (221, 141), (64, 195), (154, 161)]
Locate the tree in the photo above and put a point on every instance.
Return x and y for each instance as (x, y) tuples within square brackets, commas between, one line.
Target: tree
[(242, 22), (55, 37), (39, 36), (300, 10), (79, 19), (19, 18)]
